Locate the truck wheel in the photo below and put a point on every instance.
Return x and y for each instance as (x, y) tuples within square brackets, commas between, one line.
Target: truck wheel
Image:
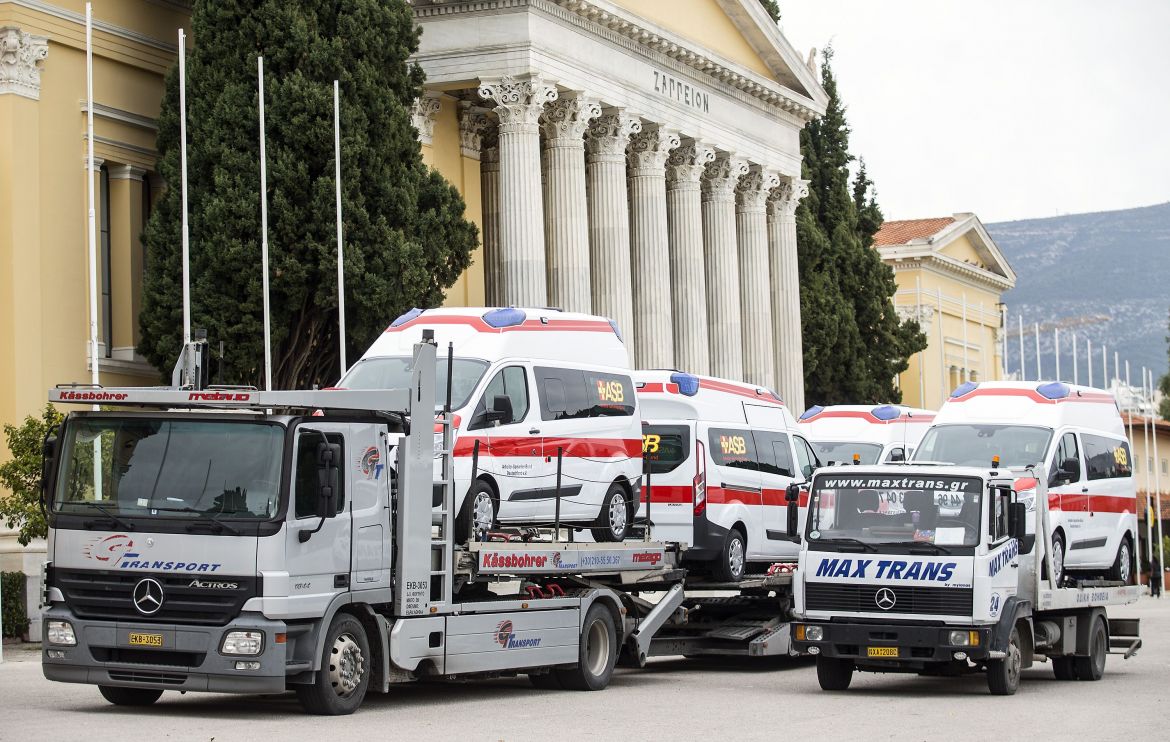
[(1063, 668), (340, 685), (1003, 676), (596, 655), (129, 696), (834, 673), (478, 511), (1093, 666), (614, 520), (1122, 569), (730, 563), (1057, 559), (545, 680)]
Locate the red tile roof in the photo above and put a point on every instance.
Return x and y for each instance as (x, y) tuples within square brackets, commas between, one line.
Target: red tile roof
[(902, 232)]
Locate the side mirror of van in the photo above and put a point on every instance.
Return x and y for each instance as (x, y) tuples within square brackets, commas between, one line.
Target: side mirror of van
[(501, 410), (1071, 469), (792, 496)]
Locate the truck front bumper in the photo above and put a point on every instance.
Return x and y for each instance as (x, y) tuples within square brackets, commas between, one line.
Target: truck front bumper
[(895, 646), (189, 658)]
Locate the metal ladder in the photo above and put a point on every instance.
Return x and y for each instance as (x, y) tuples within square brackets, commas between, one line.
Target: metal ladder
[(443, 526)]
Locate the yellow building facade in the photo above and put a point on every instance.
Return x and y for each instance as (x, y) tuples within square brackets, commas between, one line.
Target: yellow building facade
[(951, 277)]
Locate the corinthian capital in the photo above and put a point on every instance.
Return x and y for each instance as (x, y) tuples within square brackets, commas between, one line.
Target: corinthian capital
[(20, 56), (569, 117), (687, 162), (519, 103), (609, 133), (422, 116), (786, 197), (755, 188), (473, 124), (650, 148), (721, 176)]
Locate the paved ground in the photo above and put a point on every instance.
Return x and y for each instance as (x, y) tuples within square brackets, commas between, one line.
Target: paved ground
[(672, 699)]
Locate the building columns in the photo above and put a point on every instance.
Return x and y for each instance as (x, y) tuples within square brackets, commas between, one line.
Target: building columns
[(609, 219), (649, 246), (684, 215), (720, 250), (751, 228), (784, 271), (566, 217), (521, 212), (489, 183)]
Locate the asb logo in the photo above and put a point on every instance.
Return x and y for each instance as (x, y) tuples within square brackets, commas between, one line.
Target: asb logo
[(370, 463), (506, 638), (885, 599), (107, 548)]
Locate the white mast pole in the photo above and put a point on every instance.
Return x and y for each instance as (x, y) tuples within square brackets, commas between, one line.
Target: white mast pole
[(1089, 359), (966, 364), (1076, 377), (1147, 455), (1157, 489), (1056, 349), (183, 188), (1023, 371), (94, 375), (1104, 366), (1039, 370), (340, 250), (942, 352), (264, 233), (1116, 367)]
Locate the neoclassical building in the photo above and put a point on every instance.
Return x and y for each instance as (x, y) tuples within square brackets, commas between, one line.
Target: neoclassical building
[(638, 159)]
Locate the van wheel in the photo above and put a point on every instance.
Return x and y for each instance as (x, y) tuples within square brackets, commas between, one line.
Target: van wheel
[(613, 522), (597, 653), (1122, 569), (1093, 666), (1003, 676), (834, 673), (340, 686), (729, 565), (129, 696), (1057, 559), (478, 512)]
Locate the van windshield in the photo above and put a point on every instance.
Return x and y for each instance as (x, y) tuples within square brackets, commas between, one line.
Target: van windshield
[(977, 445), (393, 372), (841, 452)]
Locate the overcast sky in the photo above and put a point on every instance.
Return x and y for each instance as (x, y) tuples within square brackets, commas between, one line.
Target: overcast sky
[(1008, 108)]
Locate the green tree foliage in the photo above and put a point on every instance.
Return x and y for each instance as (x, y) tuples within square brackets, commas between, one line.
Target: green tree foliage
[(854, 343), (773, 9), (21, 475), (405, 236)]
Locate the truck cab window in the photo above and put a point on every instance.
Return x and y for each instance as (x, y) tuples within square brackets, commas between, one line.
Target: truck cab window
[(305, 495)]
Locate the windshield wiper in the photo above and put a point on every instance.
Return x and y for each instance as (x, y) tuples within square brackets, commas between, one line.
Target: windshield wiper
[(847, 540), (923, 544), (113, 518), (205, 517)]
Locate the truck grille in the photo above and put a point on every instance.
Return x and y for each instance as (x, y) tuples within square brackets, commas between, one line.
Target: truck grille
[(939, 601), (100, 594)]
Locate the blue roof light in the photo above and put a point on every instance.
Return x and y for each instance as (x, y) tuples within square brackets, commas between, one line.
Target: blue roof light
[(886, 412), (404, 318), (812, 412), (965, 388), (688, 384), (507, 317), (1054, 390), (616, 330)]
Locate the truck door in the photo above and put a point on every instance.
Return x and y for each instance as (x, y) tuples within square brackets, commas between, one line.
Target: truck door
[(1003, 560), (368, 498), (320, 567)]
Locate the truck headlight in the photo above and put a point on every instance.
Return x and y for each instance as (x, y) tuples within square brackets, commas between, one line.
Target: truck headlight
[(963, 638), (814, 633), (242, 642), (61, 632)]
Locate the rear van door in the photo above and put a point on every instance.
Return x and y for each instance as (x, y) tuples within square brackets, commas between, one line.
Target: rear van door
[(1111, 498), (668, 453)]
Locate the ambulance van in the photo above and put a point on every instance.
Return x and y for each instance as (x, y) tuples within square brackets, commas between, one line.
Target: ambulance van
[(719, 456), (531, 390), (875, 434), (1076, 434)]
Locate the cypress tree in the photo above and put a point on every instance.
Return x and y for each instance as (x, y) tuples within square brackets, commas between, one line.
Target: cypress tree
[(404, 233), (854, 343)]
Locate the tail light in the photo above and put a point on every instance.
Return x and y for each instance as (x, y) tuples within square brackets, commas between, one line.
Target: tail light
[(699, 483)]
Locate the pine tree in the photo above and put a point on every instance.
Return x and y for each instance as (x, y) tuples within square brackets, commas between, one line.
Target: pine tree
[(772, 8), (854, 343), (405, 236)]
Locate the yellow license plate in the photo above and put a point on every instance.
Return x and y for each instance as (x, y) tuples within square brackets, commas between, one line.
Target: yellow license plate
[(881, 651), (146, 640)]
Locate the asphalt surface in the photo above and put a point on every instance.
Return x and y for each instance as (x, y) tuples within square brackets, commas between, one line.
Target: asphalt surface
[(671, 699)]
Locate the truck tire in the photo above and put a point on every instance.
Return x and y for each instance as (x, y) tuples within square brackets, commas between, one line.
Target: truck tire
[(613, 522), (834, 673), (596, 654), (1092, 667), (729, 566), (341, 684), (1122, 569), (1057, 558), (130, 696), (1063, 668), (1003, 676), (479, 510)]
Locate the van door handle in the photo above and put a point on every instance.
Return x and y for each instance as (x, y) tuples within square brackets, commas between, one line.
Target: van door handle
[(1084, 490), (533, 431)]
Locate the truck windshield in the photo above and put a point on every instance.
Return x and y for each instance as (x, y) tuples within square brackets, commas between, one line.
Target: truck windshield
[(841, 452), (895, 509), (143, 467), (393, 372), (977, 445)]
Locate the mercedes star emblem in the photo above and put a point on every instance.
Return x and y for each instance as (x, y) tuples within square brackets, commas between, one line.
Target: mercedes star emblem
[(885, 599), (148, 596)]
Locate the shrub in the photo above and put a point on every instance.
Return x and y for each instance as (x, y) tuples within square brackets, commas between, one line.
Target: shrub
[(12, 585)]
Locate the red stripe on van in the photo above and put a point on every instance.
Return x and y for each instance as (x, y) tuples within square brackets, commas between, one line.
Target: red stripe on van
[(531, 325), (1032, 394), (743, 391), (867, 416), (669, 493), (1095, 503), (573, 447)]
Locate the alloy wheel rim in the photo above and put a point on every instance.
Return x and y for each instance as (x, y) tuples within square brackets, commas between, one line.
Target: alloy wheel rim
[(1125, 561), (482, 511), (735, 557), (617, 515)]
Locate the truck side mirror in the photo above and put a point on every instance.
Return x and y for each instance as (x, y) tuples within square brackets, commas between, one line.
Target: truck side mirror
[(501, 410), (1017, 512), (792, 496), (328, 456), (48, 460)]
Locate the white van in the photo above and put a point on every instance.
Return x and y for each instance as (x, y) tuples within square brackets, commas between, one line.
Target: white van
[(1076, 435), (874, 434), (719, 456), (527, 385)]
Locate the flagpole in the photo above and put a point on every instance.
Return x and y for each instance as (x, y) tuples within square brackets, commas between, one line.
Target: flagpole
[(1089, 359), (1056, 349), (1039, 369), (264, 232), (1157, 490), (340, 251), (94, 371), (183, 188), (1023, 371), (1076, 376)]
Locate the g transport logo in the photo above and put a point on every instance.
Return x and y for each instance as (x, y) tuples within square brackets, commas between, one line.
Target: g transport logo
[(506, 638), (107, 548), (370, 463)]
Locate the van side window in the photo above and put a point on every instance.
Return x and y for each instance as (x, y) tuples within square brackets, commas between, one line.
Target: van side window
[(305, 499), (733, 448), (562, 393), (510, 382), (773, 452), (610, 395), (1106, 458), (1066, 449), (805, 458)]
